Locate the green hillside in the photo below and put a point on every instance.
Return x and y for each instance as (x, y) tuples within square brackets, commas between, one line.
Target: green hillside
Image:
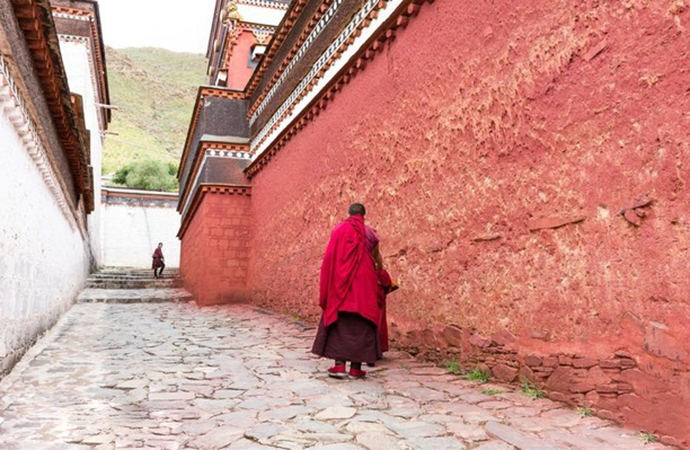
[(155, 91)]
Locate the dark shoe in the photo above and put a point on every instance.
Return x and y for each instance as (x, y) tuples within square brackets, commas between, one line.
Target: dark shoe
[(337, 372), (371, 364), (357, 374)]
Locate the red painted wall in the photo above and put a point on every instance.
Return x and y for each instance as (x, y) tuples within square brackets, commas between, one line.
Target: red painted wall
[(239, 71), (215, 249), (476, 120)]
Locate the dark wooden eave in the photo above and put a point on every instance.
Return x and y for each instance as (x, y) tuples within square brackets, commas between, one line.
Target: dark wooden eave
[(35, 19)]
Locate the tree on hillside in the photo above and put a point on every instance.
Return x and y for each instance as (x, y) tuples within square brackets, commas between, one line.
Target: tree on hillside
[(148, 174)]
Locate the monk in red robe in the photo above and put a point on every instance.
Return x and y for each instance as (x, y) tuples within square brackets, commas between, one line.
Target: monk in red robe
[(158, 261), (349, 299)]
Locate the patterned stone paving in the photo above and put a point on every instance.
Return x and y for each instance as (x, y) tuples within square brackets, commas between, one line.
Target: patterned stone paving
[(173, 376)]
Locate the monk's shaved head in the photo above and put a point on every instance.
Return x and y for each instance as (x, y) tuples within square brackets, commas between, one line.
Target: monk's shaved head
[(357, 209)]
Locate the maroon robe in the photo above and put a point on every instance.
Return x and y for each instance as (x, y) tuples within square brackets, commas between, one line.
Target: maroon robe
[(157, 259), (371, 241), (348, 297), (349, 282), (385, 285)]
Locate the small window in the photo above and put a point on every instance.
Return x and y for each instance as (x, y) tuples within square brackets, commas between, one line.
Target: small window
[(256, 54)]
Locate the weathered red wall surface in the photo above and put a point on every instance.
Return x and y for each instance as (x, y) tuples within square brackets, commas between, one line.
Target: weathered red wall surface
[(215, 249), (477, 119), (239, 71)]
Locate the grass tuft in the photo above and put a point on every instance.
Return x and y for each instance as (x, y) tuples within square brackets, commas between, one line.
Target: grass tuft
[(647, 437), (453, 367), (584, 411), (478, 375), (531, 390)]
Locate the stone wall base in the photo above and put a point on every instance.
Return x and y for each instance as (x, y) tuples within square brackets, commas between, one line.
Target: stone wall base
[(646, 386)]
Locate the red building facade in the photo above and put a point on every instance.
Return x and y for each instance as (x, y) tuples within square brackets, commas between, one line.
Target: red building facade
[(524, 163)]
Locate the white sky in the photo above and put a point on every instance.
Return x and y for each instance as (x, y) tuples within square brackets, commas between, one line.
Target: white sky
[(177, 25)]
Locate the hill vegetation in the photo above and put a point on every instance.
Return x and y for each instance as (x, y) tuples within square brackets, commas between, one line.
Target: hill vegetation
[(154, 90)]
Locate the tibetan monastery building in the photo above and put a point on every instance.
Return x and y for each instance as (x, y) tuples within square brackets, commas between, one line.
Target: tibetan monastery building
[(53, 115), (526, 164)]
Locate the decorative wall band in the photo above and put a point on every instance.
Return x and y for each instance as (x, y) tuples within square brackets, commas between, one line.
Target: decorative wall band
[(60, 15), (72, 13), (221, 93), (204, 91), (220, 189), (264, 4), (321, 24), (211, 150), (355, 54), (71, 38), (293, 12), (228, 154), (257, 27), (326, 57), (11, 101)]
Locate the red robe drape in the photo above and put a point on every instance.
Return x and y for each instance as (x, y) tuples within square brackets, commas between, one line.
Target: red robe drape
[(385, 284), (349, 282), (157, 258)]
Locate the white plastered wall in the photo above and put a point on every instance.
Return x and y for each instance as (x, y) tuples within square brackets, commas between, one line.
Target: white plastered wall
[(43, 260), (77, 60), (131, 233)]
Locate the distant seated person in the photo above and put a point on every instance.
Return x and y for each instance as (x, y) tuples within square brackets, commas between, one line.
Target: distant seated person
[(158, 261)]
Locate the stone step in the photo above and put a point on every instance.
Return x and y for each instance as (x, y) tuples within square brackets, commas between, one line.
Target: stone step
[(133, 275), (147, 270), (116, 283), (108, 276), (134, 296)]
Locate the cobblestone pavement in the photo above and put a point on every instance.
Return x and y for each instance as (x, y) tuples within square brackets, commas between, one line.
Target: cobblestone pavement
[(172, 376)]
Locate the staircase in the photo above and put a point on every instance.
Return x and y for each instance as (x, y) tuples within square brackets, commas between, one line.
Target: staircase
[(123, 285)]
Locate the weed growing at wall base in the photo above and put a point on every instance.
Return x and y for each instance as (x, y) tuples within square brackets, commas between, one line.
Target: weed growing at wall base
[(531, 390), (584, 411), (453, 367), (478, 375), (647, 438)]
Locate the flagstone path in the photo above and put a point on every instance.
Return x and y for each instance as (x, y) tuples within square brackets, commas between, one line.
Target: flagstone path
[(173, 376)]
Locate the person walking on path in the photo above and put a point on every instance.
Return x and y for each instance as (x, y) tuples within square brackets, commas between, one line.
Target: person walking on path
[(349, 299), (158, 261)]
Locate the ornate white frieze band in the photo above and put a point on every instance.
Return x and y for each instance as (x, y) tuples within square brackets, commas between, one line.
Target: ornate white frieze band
[(60, 15), (11, 101), (264, 4), (211, 153), (71, 38), (292, 107), (227, 154), (298, 56)]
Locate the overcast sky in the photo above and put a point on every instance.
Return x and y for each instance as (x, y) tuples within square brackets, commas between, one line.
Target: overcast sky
[(178, 25)]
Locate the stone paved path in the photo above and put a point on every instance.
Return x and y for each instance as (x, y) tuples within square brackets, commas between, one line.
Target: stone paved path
[(172, 376)]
